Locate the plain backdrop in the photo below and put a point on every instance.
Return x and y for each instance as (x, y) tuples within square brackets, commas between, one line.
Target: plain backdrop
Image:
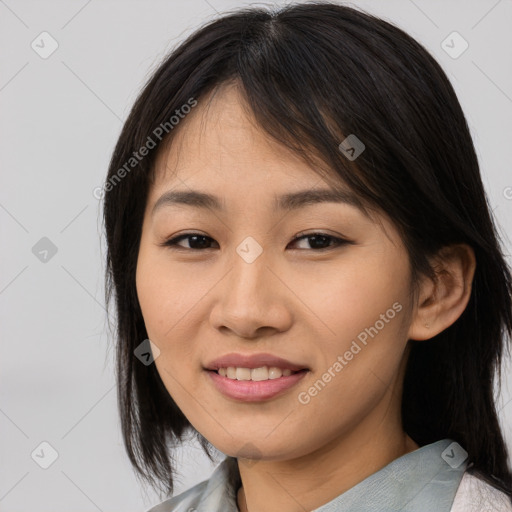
[(60, 118)]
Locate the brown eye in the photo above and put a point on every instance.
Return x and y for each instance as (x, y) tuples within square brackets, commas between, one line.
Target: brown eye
[(319, 241), (197, 241)]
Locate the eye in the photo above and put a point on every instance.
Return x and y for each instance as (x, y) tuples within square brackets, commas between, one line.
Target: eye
[(197, 241), (320, 241)]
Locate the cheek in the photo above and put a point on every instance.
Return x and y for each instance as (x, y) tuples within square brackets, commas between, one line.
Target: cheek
[(352, 297), (165, 300), (365, 311), (166, 295), (171, 303)]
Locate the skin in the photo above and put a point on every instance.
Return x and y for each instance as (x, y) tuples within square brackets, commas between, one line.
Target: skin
[(295, 301)]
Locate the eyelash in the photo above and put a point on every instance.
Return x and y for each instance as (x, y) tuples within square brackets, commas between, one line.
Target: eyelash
[(172, 242)]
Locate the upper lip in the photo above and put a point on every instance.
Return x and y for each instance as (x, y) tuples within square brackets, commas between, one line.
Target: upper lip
[(253, 361)]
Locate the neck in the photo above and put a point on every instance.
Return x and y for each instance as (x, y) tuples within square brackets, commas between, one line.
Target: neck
[(309, 482)]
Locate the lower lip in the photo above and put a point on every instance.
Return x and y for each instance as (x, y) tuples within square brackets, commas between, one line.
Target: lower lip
[(254, 391)]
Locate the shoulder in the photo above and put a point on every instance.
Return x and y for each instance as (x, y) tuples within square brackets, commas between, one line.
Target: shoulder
[(182, 502), (214, 495), (475, 495)]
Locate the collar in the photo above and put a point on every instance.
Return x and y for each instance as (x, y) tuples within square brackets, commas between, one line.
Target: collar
[(421, 480)]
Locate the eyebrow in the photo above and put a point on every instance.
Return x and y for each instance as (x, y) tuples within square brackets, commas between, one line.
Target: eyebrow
[(290, 201)]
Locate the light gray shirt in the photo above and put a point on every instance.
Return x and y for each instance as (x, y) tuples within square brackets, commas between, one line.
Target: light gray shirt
[(424, 480)]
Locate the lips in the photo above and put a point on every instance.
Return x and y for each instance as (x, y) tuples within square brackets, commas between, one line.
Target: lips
[(250, 391), (253, 361)]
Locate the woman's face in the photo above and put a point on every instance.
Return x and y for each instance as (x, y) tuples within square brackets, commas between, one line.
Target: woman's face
[(244, 286)]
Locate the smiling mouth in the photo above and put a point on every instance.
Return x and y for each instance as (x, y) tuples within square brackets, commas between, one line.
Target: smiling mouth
[(240, 386), (255, 374)]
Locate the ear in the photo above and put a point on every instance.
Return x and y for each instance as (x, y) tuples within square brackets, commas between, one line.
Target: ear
[(442, 300)]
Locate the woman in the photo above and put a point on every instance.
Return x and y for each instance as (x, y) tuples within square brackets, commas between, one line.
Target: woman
[(295, 218)]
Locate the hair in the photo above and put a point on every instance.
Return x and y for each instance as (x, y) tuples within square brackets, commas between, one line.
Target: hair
[(312, 74)]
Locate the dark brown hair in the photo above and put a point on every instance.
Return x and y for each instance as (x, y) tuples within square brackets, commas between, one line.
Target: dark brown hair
[(312, 74)]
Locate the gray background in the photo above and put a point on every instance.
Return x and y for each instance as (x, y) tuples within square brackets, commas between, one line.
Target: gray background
[(60, 118)]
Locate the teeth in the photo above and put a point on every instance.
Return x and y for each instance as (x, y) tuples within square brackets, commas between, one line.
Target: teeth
[(255, 374)]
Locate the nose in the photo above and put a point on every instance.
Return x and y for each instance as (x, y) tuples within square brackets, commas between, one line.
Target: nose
[(253, 300)]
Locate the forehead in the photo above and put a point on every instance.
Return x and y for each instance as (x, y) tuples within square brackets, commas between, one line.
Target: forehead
[(220, 155), (220, 143)]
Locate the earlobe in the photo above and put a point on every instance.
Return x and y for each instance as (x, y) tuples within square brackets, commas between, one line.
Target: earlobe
[(443, 299)]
